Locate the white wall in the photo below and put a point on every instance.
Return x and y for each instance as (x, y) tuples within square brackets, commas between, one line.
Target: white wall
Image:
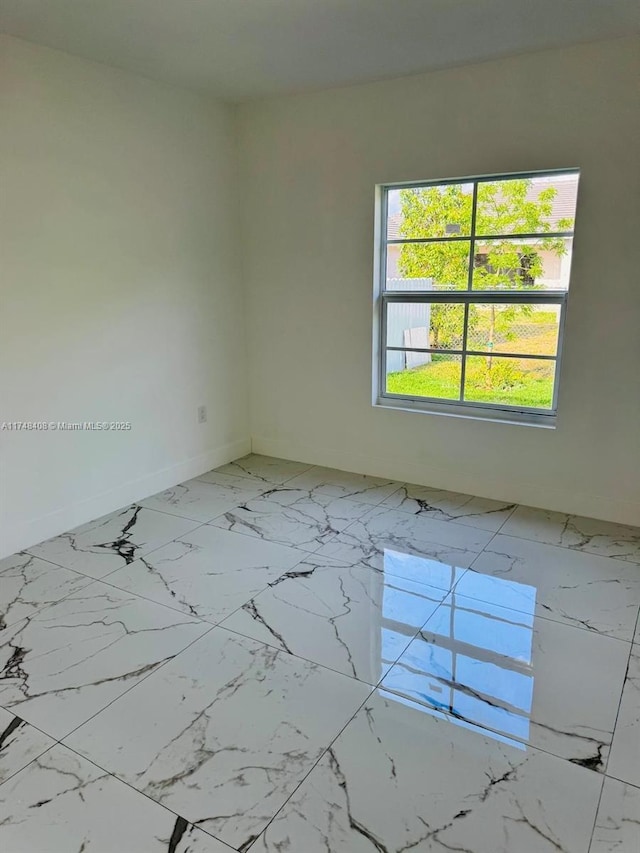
[(309, 167), (120, 296)]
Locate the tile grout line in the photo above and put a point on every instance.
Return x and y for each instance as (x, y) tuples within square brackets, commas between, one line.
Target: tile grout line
[(93, 580), (604, 775), (367, 508), (230, 631), (104, 579), (137, 504), (295, 656), (220, 624), (194, 619), (198, 521), (624, 682), (442, 515), (240, 606), (473, 598), (456, 524), (322, 665), (478, 554), (380, 687), (373, 688), (31, 725), (61, 741), (313, 767), (34, 759), (453, 520), (137, 684), (115, 699), (145, 554), (262, 538), (377, 686), (247, 475), (116, 779), (282, 652), (482, 551), (622, 781), (211, 523), (481, 729), (569, 623), (480, 726), (305, 555), (596, 811), (249, 496)]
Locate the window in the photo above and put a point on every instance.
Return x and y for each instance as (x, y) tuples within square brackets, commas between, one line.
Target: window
[(472, 291)]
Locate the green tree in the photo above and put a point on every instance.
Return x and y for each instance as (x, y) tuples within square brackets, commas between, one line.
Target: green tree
[(499, 264)]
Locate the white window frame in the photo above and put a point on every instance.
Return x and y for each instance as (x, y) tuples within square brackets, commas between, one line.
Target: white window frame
[(383, 298)]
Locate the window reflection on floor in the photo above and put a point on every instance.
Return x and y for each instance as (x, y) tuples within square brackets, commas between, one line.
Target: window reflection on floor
[(399, 594), (473, 660), (420, 569)]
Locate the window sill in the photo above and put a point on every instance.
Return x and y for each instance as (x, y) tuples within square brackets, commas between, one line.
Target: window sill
[(474, 413)]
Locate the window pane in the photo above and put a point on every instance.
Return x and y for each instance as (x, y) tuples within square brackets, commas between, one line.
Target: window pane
[(510, 381), (419, 212), (512, 264), (431, 325), (428, 266), (527, 205), (419, 374), (521, 328)]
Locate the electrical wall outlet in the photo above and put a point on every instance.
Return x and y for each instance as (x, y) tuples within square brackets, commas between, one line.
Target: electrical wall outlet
[(202, 414)]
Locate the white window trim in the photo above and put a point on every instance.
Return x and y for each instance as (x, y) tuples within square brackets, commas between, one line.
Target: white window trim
[(382, 298)]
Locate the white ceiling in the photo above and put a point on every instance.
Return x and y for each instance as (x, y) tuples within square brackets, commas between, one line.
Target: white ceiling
[(242, 49)]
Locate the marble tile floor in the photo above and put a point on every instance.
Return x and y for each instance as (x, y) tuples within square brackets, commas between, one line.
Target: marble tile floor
[(281, 658)]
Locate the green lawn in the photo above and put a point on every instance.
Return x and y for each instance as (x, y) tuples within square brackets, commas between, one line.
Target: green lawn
[(514, 382), (515, 386)]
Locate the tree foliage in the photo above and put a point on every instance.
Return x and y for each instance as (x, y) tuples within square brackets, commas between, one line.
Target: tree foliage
[(503, 207)]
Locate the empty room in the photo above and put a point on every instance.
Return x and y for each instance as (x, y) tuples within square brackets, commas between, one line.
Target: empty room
[(319, 426)]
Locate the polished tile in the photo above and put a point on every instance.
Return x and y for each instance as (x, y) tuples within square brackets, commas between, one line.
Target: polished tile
[(211, 650), (617, 828), (64, 664), (208, 573), (576, 532), (523, 677), (400, 779), (62, 803), (224, 733), (387, 540), (624, 760), (294, 517), (203, 500), (342, 484), (101, 546), (352, 620), (596, 593), (28, 584), (20, 743), (266, 468), (450, 506)]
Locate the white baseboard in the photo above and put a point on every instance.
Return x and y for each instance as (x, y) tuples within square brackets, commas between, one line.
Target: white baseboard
[(36, 530), (396, 468)]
